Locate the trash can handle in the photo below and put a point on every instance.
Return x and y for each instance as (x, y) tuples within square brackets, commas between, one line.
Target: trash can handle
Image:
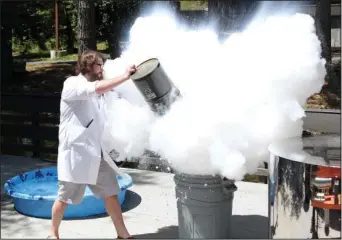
[(230, 187)]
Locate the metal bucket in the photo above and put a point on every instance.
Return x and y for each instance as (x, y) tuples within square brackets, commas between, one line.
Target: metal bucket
[(155, 86), (305, 192), (204, 206)]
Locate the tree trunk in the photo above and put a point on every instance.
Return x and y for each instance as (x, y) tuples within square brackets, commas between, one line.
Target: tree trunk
[(323, 25), (69, 31), (86, 26), (114, 44), (6, 44), (122, 14), (323, 29)]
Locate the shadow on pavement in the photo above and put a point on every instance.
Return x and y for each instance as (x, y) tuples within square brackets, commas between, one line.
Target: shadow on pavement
[(249, 226), (243, 227), (169, 232), (132, 201)]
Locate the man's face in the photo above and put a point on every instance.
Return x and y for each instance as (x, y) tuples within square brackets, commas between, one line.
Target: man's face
[(98, 69)]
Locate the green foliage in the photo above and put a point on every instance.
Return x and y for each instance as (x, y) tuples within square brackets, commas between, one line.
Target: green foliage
[(112, 15), (102, 46), (194, 5), (34, 25), (31, 25)]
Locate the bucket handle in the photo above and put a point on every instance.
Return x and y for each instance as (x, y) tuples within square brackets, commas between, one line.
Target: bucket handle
[(229, 185)]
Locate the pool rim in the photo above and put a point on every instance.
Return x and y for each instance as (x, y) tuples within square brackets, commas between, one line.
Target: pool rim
[(124, 183)]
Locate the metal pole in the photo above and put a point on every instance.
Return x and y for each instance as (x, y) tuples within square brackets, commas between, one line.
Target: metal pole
[(56, 24)]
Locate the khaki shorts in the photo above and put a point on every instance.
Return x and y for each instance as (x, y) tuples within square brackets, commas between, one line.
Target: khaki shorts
[(106, 185)]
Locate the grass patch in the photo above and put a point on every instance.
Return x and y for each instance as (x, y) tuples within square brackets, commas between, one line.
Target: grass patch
[(66, 57), (40, 56), (193, 5), (36, 55)]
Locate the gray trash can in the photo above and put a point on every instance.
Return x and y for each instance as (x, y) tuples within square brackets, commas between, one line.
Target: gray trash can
[(204, 206)]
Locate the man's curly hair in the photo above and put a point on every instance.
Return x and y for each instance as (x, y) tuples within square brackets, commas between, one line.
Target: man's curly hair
[(87, 60)]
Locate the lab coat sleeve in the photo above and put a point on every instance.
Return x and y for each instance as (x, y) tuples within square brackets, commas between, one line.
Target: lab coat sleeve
[(74, 89)]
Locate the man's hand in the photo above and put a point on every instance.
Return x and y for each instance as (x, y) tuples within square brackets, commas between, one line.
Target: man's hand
[(129, 71), (104, 86)]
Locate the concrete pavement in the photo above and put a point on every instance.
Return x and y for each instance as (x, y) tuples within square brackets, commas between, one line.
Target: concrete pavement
[(150, 210)]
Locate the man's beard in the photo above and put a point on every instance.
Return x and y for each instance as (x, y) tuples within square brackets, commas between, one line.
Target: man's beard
[(100, 76), (96, 76)]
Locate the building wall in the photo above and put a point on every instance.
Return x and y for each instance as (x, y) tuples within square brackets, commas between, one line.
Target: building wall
[(336, 37)]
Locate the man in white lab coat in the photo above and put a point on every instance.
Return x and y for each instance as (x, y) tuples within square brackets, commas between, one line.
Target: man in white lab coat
[(83, 159)]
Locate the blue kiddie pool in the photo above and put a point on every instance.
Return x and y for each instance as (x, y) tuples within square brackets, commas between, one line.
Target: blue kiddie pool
[(34, 193)]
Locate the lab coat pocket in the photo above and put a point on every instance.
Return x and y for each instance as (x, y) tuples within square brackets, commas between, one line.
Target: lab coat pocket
[(91, 126), (91, 133), (76, 134), (81, 164)]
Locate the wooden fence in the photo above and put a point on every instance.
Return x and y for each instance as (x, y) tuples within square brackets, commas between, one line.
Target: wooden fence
[(29, 124)]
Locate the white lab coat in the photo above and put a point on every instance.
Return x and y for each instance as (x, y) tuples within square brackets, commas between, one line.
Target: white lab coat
[(81, 126)]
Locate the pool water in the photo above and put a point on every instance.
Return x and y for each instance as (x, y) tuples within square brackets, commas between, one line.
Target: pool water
[(34, 193), (38, 187), (41, 187)]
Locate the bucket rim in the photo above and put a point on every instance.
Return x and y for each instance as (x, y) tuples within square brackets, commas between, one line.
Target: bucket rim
[(202, 181), (148, 72), (197, 176)]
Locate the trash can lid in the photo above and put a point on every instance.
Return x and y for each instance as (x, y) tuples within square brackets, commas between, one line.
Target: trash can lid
[(145, 68)]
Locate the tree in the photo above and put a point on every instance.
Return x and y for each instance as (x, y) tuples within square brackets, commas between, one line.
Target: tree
[(6, 8), (228, 16), (68, 18), (32, 25), (86, 26), (323, 26), (122, 14)]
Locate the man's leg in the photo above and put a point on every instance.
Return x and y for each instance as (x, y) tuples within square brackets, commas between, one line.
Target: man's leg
[(58, 210), (107, 187), (114, 211), (68, 193)]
